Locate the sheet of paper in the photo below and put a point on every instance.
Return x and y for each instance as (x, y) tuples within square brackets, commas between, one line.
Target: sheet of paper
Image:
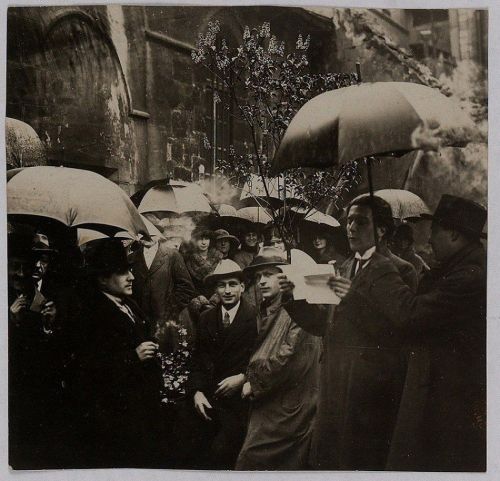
[(318, 291), (310, 279)]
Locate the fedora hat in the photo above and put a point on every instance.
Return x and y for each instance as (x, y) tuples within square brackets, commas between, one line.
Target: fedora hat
[(42, 245), (220, 234), (226, 268), (461, 214), (267, 257)]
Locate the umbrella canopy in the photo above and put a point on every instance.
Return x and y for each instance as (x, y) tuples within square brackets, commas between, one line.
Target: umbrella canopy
[(383, 118), (317, 217), (88, 235), (23, 146), (174, 196), (257, 215), (404, 204), (74, 197), (253, 193), (226, 210)]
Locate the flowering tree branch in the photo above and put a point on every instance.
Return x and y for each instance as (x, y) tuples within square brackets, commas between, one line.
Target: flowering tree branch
[(268, 85)]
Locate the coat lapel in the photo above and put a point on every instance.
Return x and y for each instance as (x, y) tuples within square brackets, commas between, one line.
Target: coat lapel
[(158, 261)]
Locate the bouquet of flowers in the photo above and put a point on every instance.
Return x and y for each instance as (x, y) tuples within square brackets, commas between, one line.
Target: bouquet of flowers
[(174, 355)]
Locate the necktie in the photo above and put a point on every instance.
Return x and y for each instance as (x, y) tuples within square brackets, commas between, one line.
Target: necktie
[(359, 264), (225, 321)]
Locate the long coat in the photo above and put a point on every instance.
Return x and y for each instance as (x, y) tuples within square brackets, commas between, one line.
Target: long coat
[(221, 352), (441, 420), (163, 290), (120, 395), (283, 373), (362, 372)]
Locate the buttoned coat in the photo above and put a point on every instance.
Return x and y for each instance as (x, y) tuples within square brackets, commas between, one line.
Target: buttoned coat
[(220, 353), (163, 290)]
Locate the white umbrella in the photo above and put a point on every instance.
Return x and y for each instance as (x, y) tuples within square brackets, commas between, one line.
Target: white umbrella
[(177, 196), (404, 204), (75, 197), (255, 214)]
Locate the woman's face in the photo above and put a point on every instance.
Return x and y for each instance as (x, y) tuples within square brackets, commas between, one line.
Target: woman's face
[(319, 242), (202, 243), (251, 239)]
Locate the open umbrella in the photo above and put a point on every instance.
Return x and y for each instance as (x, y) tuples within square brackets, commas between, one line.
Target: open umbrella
[(318, 218), (254, 194), (74, 197), (257, 215), (172, 196), (23, 146), (404, 204), (364, 120), (382, 118), (88, 235)]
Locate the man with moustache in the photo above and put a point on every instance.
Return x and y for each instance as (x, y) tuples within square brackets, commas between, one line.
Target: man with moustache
[(119, 378), (35, 389), (282, 376), (226, 337)]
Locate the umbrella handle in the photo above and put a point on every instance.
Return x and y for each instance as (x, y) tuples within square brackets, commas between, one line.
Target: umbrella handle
[(370, 186)]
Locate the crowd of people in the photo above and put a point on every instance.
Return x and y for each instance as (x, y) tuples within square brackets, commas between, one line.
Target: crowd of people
[(393, 377)]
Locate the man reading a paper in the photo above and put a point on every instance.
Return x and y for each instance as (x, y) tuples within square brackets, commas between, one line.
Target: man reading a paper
[(363, 368), (282, 376)]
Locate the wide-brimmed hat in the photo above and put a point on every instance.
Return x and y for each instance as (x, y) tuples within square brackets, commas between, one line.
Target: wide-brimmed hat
[(461, 214), (267, 257), (220, 234), (202, 231), (106, 257), (226, 268)]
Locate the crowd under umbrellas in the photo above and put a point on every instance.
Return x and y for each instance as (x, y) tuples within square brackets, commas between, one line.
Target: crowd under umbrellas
[(183, 281)]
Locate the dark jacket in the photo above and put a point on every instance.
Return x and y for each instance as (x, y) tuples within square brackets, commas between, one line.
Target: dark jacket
[(380, 410), (36, 395), (442, 418), (222, 353), (120, 394), (163, 290), (362, 373)]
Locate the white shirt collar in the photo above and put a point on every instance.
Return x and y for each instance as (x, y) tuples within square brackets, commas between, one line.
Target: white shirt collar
[(232, 312), (150, 253), (366, 255), (116, 300)]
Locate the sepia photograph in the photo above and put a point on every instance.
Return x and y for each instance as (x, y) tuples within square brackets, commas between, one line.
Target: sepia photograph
[(246, 238)]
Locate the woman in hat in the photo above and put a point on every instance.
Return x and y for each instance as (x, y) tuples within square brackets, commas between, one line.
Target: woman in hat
[(225, 243), (323, 250), (202, 259), (250, 245)]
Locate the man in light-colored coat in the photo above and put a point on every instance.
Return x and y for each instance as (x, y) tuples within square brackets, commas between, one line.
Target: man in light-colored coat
[(282, 378)]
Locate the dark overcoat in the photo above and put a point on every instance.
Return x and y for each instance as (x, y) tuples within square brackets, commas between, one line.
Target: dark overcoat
[(442, 418), (120, 395), (163, 290)]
